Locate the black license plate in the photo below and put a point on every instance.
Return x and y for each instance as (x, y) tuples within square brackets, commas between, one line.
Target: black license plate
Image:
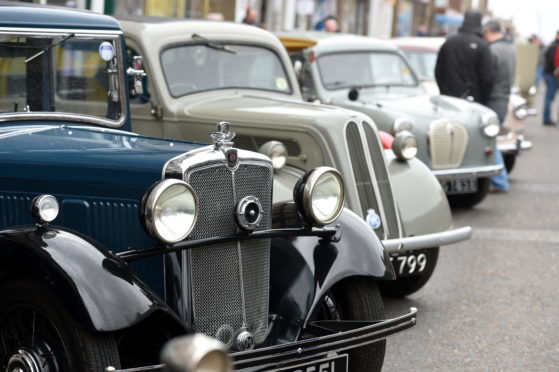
[(335, 364), (460, 186), (409, 263)]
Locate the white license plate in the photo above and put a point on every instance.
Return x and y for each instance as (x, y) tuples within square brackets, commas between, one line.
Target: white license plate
[(335, 364), (460, 186), (409, 263)]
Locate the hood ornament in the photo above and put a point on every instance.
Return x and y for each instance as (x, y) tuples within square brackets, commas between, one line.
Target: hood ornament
[(224, 135)]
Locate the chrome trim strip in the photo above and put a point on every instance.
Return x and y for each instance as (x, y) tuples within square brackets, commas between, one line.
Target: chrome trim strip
[(411, 243), (28, 131), (475, 172)]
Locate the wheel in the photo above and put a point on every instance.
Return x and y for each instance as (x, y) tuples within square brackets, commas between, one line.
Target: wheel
[(409, 284), (469, 200), (357, 299), (40, 335), (509, 162)]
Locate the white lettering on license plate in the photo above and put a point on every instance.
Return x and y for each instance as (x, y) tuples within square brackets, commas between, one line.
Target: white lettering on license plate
[(324, 367), (409, 264), (460, 186)]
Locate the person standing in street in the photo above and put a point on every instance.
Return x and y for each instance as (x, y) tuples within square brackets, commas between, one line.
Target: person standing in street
[(465, 64), (504, 59), (551, 63)]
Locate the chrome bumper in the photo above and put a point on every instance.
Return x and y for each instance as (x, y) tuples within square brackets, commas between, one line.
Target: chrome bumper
[(475, 172), (428, 241), (342, 337)]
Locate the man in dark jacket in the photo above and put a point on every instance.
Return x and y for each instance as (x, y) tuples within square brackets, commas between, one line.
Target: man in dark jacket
[(550, 80), (464, 64)]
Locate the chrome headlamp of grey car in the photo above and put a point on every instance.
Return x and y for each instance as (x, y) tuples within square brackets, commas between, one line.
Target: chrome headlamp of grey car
[(405, 145), (169, 210), (490, 124), (400, 125), (319, 195), (276, 151)]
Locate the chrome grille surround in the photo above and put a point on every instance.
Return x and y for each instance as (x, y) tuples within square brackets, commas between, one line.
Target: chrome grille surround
[(227, 284), (370, 174), (448, 141)]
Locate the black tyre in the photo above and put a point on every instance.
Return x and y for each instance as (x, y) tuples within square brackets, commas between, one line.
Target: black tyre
[(510, 160), (357, 299), (469, 200), (40, 335), (407, 285)]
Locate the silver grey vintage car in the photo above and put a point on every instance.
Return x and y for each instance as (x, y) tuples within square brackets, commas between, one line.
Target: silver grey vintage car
[(455, 137), (202, 71)]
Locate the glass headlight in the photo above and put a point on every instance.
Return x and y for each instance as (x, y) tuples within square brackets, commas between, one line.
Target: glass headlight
[(196, 353), (170, 210), (519, 107), (490, 124), (400, 125), (44, 208), (276, 151), (319, 195), (405, 145)]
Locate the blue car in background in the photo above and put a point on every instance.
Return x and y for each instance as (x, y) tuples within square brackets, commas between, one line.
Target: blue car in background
[(112, 244)]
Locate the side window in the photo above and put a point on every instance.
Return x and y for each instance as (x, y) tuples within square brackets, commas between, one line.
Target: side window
[(145, 97)]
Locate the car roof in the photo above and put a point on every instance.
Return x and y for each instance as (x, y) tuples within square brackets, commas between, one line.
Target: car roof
[(25, 15), (328, 42), (419, 43), (157, 30)]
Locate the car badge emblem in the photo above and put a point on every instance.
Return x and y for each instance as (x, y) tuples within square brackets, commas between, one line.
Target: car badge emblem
[(373, 219), (224, 135)]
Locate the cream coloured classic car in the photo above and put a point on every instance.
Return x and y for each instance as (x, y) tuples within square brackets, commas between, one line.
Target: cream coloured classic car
[(455, 138), (422, 56), (202, 71)]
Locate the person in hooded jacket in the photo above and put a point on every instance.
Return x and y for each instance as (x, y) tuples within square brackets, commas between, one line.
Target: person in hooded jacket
[(465, 64)]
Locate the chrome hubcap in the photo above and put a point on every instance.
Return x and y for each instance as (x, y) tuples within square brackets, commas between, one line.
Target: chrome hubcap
[(23, 361)]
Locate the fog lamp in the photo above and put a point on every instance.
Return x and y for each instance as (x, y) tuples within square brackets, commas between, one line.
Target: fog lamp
[(195, 353), (44, 208), (276, 151), (319, 195), (169, 210)]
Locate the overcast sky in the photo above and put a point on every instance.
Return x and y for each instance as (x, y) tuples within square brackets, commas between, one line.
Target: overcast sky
[(530, 16)]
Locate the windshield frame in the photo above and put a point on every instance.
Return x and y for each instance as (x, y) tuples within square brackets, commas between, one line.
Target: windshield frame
[(368, 51), (83, 34), (225, 43)]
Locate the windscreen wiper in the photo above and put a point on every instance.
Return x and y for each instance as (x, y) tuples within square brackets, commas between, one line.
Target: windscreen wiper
[(212, 44), (50, 46)]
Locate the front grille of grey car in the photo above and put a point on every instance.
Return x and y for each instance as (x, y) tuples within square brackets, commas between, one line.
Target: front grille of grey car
[(230, 281), (372, 182), (253, 143), (448, 141)]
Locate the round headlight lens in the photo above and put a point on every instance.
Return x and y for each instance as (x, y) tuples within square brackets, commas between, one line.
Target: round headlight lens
[(276, 151), (400, 125), (196, 353), (405, 145), (490, 124), (45, 208), (170, 211), (319, 195)]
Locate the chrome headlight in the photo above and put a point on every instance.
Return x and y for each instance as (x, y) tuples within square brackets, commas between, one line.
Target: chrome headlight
[(44, 208), (490, 124), (319, 195), (196, 353), (170, 210), (519, 106), (405, 145), (276, 151), (400, 125)]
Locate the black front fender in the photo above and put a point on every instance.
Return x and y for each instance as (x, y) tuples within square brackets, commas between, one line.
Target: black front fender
[(303, 269), (96, 286)]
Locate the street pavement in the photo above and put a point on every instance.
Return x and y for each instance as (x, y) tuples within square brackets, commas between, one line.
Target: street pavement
[(492, 303)]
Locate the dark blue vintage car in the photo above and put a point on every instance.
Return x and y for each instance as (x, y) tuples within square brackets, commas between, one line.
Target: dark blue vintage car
[(113, 244)]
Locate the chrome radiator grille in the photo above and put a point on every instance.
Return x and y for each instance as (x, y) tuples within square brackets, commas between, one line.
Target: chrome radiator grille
[(230, 281), (371, 178), (448, 141)]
